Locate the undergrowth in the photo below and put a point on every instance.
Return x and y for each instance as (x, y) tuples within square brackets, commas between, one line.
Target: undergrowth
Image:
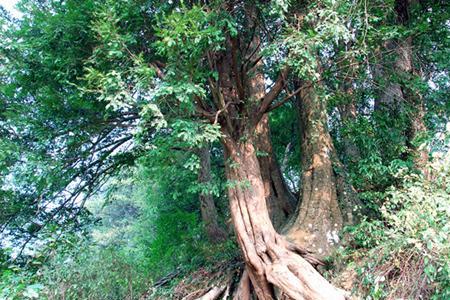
[(406, 253)]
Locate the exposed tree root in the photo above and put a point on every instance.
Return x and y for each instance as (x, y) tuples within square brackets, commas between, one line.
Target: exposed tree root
[(214, 293), (243, 290), (231, 280)]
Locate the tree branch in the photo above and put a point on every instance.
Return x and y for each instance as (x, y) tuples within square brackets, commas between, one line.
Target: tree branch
[(285, 99), (159, 71), (268, 98)]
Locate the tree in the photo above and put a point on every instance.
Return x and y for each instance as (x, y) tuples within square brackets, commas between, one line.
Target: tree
[(398, 93), (325, 193), (280, 201), (67, 143), (207, 206), (270, 259)]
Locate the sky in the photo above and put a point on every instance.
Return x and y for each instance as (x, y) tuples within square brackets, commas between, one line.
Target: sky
[(9, 6)]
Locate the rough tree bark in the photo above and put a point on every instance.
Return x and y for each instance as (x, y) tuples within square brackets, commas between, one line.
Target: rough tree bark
[(280, 201), (272, 262), (270, 259), (318, 218), (207, 207)]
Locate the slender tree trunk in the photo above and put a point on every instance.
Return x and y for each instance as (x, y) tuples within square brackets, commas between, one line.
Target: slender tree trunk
[(397, 93), (348, 199), (348, 115), (243, 290), (319, 218), (347, 110), (271, 261), (418, 129), (280, 201), (207, 207)]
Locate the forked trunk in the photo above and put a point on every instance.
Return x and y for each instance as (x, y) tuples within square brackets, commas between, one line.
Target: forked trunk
[(273, 264), (280, 201), (319, 218), (271, 261), (207, 207)]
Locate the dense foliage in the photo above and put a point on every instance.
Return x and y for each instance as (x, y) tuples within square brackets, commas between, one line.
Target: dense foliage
[(132, 131)]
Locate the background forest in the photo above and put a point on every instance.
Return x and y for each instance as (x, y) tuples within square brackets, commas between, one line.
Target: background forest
[(225, 149)]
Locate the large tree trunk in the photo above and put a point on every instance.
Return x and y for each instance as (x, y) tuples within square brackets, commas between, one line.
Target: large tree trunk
[(319, 218), (207, 207), (271, 261), (273, 264)]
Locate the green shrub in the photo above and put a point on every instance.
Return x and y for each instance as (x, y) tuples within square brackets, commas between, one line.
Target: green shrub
[(95, 272), (407, 252), (19, 283)]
